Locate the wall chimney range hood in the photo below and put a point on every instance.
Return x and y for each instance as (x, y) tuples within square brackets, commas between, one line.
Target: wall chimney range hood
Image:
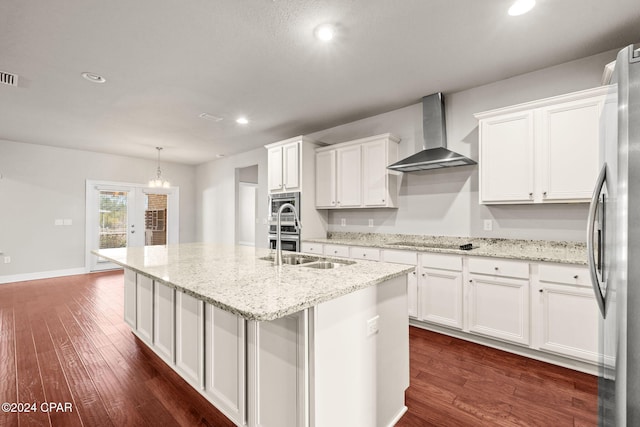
[(434, 153)]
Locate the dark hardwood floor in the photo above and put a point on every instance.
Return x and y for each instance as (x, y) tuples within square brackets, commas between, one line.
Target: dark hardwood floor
[(64, 340)]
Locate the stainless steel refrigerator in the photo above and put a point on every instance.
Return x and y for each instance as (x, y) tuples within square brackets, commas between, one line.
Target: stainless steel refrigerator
[(613, 243)]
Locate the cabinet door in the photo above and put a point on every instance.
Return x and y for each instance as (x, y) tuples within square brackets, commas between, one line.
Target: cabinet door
[(412, 293), (349, 177), (499, 308), (164, 321), (374, 174), (144, 308), (291, 167), (569, 138), (189, 338), (507, 158), (130, 298), (225, 362), (440, 297), (274, 167), (326, 179), (569, 316), (278, 369)]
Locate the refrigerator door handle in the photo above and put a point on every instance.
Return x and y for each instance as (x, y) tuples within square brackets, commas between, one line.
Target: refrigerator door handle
[(593, 207)]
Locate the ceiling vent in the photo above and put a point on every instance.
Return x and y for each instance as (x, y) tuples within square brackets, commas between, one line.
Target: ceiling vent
[(8, 79)]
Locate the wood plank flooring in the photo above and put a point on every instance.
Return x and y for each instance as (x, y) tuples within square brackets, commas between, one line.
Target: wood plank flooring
[(64, 340)]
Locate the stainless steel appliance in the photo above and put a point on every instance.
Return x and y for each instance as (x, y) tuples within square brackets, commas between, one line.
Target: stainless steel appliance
[(290, 234), (613, 241)]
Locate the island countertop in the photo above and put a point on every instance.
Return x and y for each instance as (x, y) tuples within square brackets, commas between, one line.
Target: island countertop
[(235, 279)]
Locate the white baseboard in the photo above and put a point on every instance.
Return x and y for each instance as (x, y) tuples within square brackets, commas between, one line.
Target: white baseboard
[(41, 275)]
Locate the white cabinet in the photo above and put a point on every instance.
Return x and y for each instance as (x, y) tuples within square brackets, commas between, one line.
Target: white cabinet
[(354, 174), (506, 158), (545, 151), (336, 250), (326, 179), (164, 321), (277, 370), (349, 177), (567, 312), (144, 308), (225, 361), (284, 167), (371, 254), (189, 338), (312, 248), (440, 290), (377, 181), (498, 299), (130, 298), (409, 258)]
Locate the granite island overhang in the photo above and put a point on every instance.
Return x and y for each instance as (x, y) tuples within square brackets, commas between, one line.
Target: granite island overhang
[(274, 345)]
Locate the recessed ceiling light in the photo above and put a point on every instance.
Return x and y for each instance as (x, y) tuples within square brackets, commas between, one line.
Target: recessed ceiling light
[(93, 77), (520, 7), (325, 32), (242, 120)]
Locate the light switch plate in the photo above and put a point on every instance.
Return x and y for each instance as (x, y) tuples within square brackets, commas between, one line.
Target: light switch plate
[(488, 225)]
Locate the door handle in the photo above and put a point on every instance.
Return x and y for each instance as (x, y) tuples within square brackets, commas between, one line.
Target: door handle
[(593, 207)]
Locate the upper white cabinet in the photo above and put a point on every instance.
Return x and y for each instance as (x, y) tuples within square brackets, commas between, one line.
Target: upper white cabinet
[(354, 174), (286, 163), (545, 151)]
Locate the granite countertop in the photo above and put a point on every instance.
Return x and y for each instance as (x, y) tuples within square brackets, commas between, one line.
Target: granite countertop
[(527, 250), (234, 279)]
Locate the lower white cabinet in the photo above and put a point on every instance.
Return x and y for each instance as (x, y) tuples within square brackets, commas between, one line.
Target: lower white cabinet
[(410, 258), (498, 307), (567, 312), (225, 362), (164, 321), (277, 369), (190, 338), (144, 308), (312, 248), (440, 290), (130, 298)]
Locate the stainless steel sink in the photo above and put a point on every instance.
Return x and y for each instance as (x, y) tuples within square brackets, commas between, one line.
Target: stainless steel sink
[(325, 265), (292, 259)]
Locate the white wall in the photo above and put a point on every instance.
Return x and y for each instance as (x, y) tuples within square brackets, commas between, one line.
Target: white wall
[(43, 183), (216, 197), (445, 202)]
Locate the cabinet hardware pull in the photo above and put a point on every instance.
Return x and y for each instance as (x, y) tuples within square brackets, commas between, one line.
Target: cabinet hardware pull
[(423, 274), (541, 290), (382, 200), (530, 194), (544, 194), (470, 281), (364, 254), (575, 277), (495, 268), (413, 272)]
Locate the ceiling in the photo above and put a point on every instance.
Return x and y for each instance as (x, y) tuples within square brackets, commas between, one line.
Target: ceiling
[(168, 61)]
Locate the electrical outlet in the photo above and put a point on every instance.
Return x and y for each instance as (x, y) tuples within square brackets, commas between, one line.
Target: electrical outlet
[(7, 260), (58, 222), (343, 222), (488, 225), (372, 326), (67, 222), (370, 222)]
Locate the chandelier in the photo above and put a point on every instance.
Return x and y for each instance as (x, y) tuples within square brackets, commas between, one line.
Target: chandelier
[(158, 181)]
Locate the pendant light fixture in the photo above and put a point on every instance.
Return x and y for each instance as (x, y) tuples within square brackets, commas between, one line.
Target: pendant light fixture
[(158, 181)]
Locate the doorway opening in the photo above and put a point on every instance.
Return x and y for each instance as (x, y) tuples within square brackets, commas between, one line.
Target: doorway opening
[(246, 205)]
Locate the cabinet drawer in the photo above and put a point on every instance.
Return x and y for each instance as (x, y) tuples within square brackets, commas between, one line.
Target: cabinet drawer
[(441, 261), (312, 248), (336, 250), (569, 274), (371, 254), (499, 267), (400, 257)]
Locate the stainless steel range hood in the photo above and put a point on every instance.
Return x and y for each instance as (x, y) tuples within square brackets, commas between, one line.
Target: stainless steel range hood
[(434, 153)]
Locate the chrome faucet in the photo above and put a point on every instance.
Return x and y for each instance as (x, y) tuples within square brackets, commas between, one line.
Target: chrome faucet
[(296, 224)]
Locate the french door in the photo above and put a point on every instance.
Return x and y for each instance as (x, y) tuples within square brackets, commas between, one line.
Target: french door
[(123, 215)]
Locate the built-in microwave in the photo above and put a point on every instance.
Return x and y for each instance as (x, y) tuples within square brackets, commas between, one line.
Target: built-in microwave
[(288, 242)]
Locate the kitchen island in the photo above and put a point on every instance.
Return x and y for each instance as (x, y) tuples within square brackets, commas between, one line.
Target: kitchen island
[(292, 345)]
